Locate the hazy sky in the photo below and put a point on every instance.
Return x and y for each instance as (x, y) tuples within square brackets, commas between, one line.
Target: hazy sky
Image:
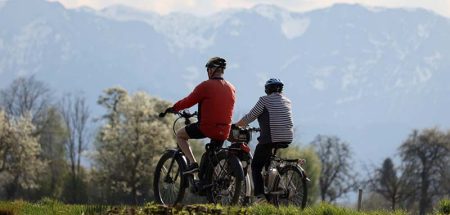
[(206, 7)]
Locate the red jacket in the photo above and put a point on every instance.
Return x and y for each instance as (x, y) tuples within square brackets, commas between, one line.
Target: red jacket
[(215, 98)]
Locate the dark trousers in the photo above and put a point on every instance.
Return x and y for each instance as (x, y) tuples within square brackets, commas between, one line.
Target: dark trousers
[(260, 158)]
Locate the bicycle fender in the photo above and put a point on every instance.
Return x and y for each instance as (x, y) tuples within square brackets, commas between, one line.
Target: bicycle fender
[(300, 169), (179, 156), (236, 166), (303, 173)]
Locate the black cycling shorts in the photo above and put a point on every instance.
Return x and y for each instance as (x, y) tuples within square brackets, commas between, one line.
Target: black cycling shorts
[(193, 130)]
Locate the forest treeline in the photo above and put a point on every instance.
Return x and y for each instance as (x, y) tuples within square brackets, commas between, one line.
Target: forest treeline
[(44, 140)]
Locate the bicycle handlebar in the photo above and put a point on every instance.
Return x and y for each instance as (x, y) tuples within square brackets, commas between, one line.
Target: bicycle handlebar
[(254, 129), (183, 114), (251, 129)]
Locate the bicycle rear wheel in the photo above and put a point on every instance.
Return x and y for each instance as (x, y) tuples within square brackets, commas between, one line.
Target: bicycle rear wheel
[(290, 187), (226, 179), (168, 182)]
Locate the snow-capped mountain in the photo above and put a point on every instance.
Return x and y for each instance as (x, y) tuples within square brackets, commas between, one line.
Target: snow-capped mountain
[(368, 75)]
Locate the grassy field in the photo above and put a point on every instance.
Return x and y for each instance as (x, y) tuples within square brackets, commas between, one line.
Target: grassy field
[(49, 207)]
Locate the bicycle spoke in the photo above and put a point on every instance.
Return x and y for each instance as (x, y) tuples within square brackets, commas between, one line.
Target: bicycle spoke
[(291, 182), (223, 178), (225, 187)]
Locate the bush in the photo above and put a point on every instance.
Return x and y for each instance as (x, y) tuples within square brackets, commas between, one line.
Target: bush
[(443, 207)]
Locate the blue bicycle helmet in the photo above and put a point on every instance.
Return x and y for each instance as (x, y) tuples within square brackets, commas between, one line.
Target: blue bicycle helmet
[(274, 82), (273, 85)]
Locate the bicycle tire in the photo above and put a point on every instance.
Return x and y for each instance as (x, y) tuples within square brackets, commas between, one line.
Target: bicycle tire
[(223, 175), (246, 191), (292, 192), (159, 182)]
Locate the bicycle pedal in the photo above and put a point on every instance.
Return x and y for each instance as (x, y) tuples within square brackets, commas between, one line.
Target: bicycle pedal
[(247, 201), (202, 192), (277, 192), (207, 186), (194, 189)]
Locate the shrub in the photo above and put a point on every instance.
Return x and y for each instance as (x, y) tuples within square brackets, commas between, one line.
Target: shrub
[(444, 207)]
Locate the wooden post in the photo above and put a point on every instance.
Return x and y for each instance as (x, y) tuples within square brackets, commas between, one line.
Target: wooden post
[(359, 199)]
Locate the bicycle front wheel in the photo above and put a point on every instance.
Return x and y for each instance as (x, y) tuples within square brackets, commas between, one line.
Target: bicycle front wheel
[(226, 180), (290, 187), (168, 182)]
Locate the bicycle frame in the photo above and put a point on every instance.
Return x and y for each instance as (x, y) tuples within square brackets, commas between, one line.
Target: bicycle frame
[(212, 149)]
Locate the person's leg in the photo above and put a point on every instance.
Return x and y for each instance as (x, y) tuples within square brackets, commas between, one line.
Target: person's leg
[(260, 158), (182, 140)]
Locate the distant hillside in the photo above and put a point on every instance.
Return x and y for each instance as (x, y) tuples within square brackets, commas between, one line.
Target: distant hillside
[(368, 75)]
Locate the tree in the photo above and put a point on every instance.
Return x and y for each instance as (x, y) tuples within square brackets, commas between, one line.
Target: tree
[(389, 185), (52, 141), (26, 95), (312, 167), (426, 155), (75, 114), (372, 201), (19, 154), (130, 143), (336, 176)]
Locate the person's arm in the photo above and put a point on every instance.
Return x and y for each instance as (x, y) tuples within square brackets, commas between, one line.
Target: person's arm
[(241, 123), (192, 99), (253, 114)]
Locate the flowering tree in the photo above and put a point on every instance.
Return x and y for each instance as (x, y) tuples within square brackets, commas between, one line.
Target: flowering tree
[(130, 143), (19, 154)]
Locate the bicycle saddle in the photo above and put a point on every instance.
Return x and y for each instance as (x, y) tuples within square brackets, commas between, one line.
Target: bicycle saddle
[(281, 145)]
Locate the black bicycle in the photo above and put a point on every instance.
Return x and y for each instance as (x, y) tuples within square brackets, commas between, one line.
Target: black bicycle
[(220, 177), (285, 180)]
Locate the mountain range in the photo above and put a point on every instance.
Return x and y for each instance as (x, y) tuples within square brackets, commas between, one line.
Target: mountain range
[(368, 75)]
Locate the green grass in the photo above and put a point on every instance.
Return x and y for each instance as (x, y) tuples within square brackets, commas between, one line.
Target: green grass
[(319, 209), (49, 207)]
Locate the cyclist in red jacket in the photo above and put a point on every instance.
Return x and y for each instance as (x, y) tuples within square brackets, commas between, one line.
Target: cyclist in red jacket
[(215, 98)]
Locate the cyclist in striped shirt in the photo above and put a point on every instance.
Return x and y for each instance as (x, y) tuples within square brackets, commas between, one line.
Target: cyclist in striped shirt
[(274, 115)]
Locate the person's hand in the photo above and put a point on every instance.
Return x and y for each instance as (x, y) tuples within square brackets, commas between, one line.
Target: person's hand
[(240, 124), (170, 110)]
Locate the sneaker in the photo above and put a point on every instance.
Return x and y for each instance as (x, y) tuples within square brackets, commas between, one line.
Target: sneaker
[(260, 199), (191, 169)]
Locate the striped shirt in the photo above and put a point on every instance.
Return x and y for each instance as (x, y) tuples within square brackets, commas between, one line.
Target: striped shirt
[(274, 117)]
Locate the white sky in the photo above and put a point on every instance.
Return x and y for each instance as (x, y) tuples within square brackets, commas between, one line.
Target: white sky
[(207, 7)]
